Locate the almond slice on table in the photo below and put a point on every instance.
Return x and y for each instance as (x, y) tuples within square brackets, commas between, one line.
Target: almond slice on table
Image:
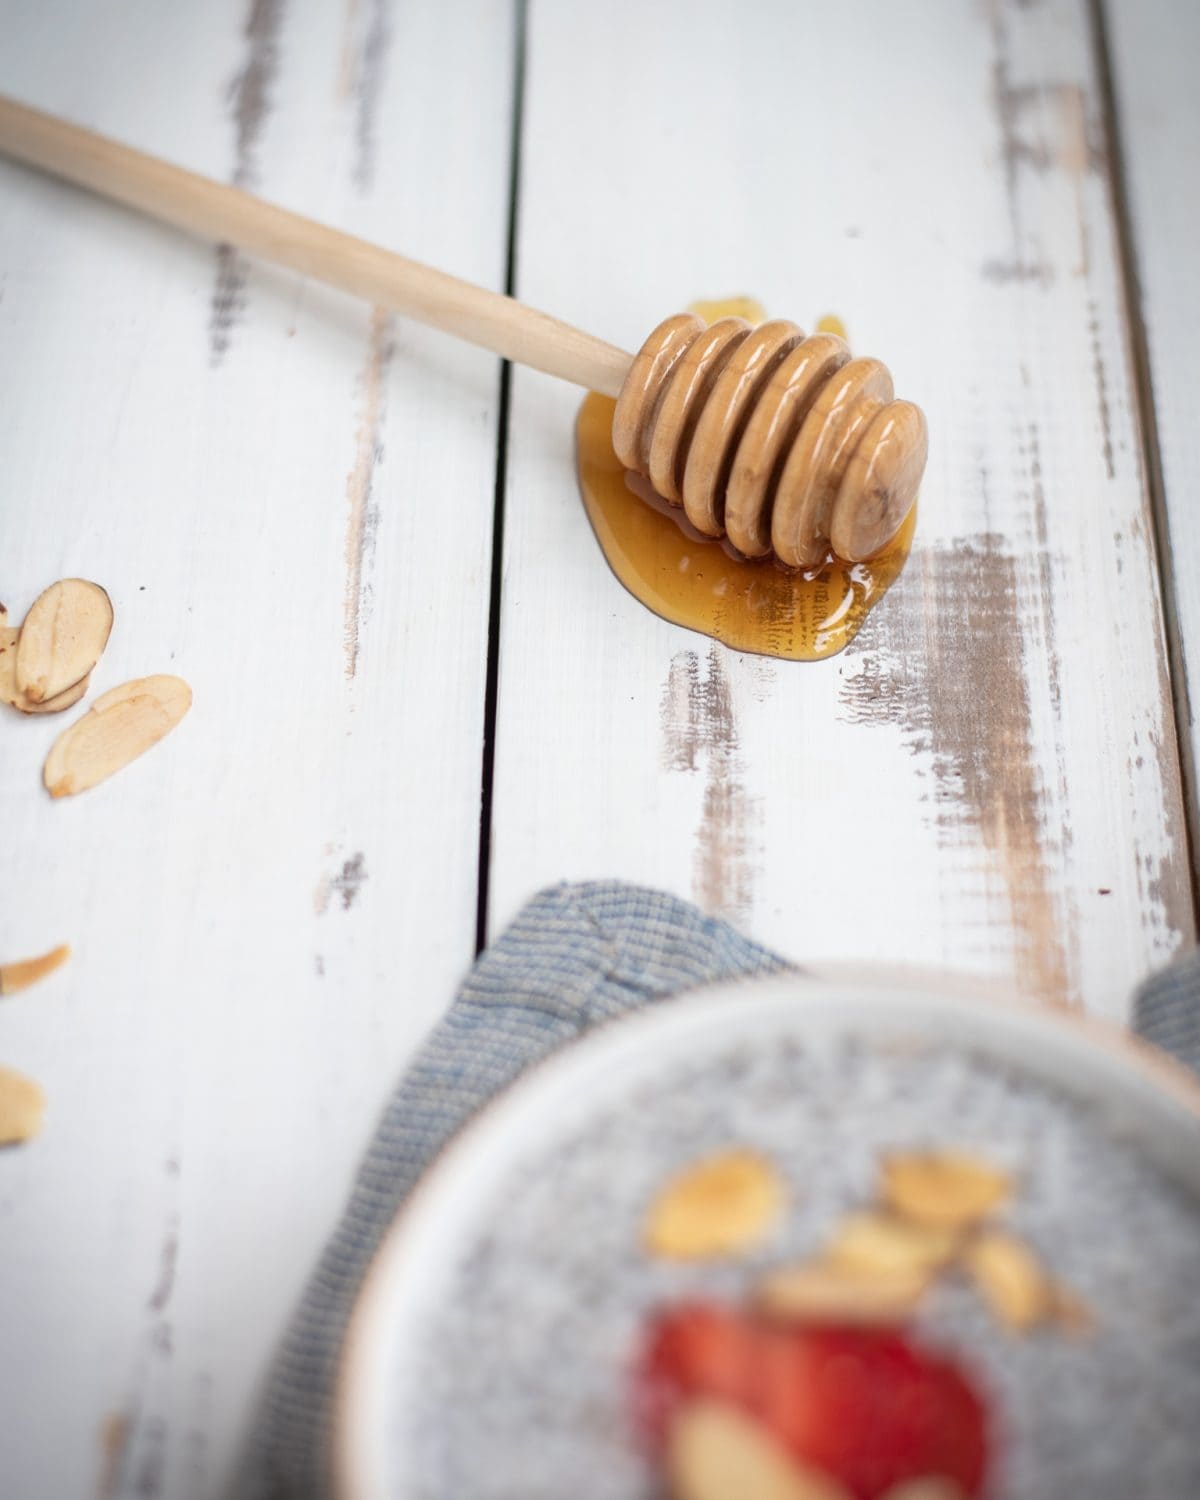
[(22, 1107), (121, 725), (830, 1291), (64, 633), (946, 1189), (12, 695), (873, 1241), (716, 1453), (720, 1206), (26, 971), (1011, 1280)]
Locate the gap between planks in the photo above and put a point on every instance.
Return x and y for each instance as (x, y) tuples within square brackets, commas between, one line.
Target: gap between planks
[(492, 677)]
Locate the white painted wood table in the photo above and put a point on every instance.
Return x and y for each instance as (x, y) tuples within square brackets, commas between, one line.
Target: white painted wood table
[(361, 545)]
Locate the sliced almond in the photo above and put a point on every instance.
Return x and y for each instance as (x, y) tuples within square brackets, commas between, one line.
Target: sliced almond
[(22, 1107), (723, 1205), (931, 1488), (60, 701), (947, 1189), (26, 971), (1070, 1311), (829, 1291), (121, 725), (882, 1242), (716, 1453), (831, 323), (9, 636), (1011, 1279), (11, 694), (65, 631), (730, 307)]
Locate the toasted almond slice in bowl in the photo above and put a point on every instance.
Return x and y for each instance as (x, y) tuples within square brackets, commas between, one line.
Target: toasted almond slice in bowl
[(1070, 1312), (829, 1291), (723, 1205), (949, 1189), (716, 1453), (26, 971), (22, 1107), (1011, 1280), (873, 1241), (121, 725), (64, 633)]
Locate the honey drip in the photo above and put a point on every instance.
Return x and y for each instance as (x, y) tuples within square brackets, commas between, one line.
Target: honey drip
[(704, 584)]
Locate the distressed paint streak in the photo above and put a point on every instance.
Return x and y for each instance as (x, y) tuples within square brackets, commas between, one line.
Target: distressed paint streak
[(361, 71), (351, 880), (368, 87), (250, 106), (1164, 881), (1066, 134), (700, 734), (345, 79), (1100, 375), (1008, 102), (114, 1441), (362, 517), (1004, 272), (169, 1256), (152, 1467), (1068, 925), (944, 663), (680, 740), (346, 883)]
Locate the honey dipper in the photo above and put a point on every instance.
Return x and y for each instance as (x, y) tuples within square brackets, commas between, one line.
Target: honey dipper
[(782, 442)]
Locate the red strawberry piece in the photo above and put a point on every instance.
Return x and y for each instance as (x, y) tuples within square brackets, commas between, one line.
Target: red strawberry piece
[(868, 1407)]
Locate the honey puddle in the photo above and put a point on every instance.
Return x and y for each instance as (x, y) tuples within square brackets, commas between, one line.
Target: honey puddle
[(704, 584)]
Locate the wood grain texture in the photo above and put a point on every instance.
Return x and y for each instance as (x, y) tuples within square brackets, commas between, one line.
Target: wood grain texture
[(988, 778), (247, 463), (1155, 54)]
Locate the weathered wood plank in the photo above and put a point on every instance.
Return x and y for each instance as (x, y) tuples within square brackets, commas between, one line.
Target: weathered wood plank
[(1155, 51), (270, 909), (988, 779)]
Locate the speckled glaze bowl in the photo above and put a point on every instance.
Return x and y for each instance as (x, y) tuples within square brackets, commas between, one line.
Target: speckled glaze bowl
[(488, 1353)]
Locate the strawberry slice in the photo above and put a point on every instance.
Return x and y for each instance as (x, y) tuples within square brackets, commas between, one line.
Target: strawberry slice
[(869, 1407)]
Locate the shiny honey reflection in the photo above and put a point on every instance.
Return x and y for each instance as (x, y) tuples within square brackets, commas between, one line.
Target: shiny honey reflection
[(705, 585)]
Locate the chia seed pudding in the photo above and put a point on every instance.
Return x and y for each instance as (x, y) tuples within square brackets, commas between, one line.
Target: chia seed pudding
[(525, 1367)]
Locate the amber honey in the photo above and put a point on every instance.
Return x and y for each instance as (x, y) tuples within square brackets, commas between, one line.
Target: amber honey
[(704, 584)]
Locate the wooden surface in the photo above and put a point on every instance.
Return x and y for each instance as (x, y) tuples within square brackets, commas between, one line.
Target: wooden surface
[(269, 911), (1156, 54), (989, 777)]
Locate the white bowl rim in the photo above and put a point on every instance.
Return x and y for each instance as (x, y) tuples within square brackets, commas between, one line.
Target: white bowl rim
[(359, 1463)]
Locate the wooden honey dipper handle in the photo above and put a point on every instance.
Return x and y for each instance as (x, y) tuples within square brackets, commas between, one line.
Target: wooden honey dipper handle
[(784, 443), (216, 211)]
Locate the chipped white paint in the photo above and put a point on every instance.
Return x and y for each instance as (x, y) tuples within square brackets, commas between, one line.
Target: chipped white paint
[(987, 779), (1156, 47), (215, 1053)]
